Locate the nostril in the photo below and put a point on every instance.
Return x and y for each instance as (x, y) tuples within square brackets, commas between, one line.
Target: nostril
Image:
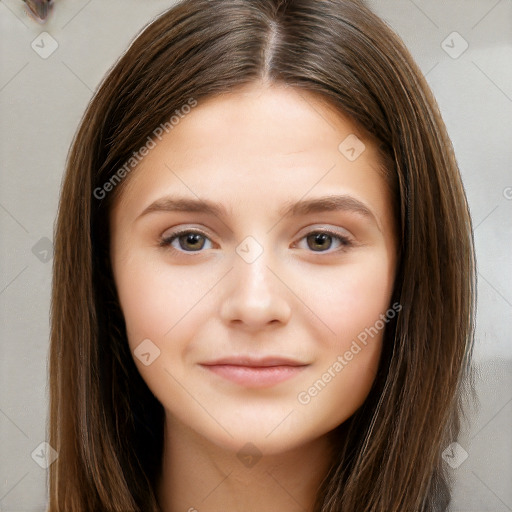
[(39, 9)]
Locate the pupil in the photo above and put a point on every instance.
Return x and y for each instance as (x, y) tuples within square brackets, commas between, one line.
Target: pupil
[(320, 238), (192, 239)]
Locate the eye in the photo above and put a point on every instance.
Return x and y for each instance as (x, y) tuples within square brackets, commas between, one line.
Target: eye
[(322, 241), (194, 241), (187, 241)]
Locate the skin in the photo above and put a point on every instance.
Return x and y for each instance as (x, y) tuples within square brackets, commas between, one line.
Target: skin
[(253, 150)]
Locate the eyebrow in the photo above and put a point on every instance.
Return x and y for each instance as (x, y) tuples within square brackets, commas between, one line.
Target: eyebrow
[(330, 203)]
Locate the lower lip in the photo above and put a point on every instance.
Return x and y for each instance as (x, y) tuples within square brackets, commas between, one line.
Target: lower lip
[(255, 376)]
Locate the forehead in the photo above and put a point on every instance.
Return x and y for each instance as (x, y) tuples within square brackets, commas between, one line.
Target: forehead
[(260, 140), (272, 119)]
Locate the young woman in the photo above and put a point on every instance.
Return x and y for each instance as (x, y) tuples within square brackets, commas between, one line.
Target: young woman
[(264, 278)]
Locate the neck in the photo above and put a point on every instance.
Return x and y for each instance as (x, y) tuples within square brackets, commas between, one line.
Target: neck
[(199, 476)]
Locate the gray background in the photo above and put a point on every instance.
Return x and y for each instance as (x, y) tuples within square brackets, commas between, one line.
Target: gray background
[(41, 102)]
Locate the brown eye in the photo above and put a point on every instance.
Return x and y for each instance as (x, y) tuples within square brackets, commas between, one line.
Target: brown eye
[(322, 241), (195, 241), (188, 241)]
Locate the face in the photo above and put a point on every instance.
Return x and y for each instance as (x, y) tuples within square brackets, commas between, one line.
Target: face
[(254, 306)]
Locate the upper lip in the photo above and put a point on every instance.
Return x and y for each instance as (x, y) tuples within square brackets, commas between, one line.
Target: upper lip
[(256, 362)]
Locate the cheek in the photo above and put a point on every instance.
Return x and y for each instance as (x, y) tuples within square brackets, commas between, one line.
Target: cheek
[(350, 299), (356, 310), (163, 305), (339, 389), (154, 298)]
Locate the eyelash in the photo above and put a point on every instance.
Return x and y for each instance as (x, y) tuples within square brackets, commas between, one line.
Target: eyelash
[(166, 242)]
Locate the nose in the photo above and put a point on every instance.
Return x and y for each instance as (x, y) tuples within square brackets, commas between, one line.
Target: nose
[(256, 297)]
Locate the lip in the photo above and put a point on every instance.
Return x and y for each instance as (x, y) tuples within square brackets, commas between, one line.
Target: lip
[(255, 362), (255, 372)]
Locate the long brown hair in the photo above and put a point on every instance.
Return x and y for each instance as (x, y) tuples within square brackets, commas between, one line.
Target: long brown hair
[(104, 421)]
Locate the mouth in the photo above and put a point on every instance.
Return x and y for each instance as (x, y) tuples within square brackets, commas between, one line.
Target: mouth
[(255, 372)]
